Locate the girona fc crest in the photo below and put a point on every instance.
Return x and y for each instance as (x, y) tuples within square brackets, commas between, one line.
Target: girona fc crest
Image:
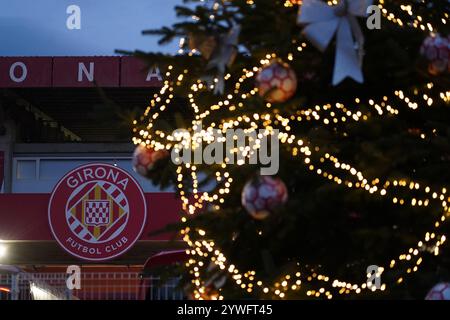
[(97, 212)]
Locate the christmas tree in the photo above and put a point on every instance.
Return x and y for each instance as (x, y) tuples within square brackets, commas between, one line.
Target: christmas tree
[(356, 95)]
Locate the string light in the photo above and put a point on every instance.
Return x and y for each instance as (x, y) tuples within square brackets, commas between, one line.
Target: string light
[(306, 151), (325, 165), (206, 197)]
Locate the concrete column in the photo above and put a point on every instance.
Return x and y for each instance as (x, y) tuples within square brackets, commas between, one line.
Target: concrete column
[(7, 146)]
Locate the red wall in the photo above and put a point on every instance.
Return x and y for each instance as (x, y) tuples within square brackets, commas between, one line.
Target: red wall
[(25, 216), (34, 72)]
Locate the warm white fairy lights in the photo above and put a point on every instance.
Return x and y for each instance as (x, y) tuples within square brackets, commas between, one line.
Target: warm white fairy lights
[(241, 279), (414, 20), (207, 249), (225, 181), (401, 192)]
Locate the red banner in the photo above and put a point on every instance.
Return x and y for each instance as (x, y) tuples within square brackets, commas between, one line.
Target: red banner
[(86, 72), (76, 72), (25, 216), (25, 72), (135, 73)]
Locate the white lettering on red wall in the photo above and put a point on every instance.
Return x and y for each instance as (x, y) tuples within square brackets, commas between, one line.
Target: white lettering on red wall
[(31, 72), (23, 72), (88, 73)]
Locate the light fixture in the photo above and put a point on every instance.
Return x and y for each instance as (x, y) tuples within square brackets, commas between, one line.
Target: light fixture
[(3, 250)]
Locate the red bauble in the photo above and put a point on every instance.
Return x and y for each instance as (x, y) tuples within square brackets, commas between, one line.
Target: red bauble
[(262, 195), (441, 291), (436, 51), (276, 82), (145, 159)]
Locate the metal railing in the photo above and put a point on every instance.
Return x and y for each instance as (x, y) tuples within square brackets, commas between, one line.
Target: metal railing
[(94, 286)]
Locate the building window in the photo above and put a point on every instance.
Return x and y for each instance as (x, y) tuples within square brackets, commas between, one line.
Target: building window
[(26, 170)]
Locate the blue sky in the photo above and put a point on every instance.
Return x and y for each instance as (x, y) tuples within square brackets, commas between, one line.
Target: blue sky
[(38, 27)]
